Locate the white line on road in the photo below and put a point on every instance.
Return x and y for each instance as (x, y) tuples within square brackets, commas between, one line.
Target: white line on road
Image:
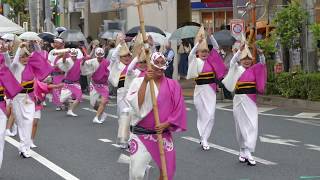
[(306, 115), (313, 147), (302, 122), (92, 110), (105, 140), (58, 170), (231, 151), (116, 145)]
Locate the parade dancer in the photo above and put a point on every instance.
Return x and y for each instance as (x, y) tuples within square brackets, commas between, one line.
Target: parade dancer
[(72, 89), (98, 69), (26, 68), (9, 87), (40, 91), (246, 80), (206, 67), (57, 74), (120, 60), (172, 115), (138, 66)]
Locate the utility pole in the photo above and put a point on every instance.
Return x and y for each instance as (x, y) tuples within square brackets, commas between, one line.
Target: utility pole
[(254, 24), (47, 17), (33, 14)]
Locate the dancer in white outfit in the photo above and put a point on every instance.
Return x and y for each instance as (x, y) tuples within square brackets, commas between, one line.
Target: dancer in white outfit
[(206, 67), (246, 80), (120, 60)]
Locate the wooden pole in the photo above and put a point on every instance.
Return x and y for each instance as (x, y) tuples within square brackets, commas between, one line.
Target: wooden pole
[(154, 100), (254, 24)]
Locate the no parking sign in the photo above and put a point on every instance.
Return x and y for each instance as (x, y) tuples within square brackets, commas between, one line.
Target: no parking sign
[(237, 28)]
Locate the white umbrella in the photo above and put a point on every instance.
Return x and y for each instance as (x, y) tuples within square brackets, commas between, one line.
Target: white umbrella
[(158, 38), (110, 35), (7, 26), (9, 36), (30, 36)]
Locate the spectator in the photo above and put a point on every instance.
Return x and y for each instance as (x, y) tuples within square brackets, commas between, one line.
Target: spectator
[(169, 54)]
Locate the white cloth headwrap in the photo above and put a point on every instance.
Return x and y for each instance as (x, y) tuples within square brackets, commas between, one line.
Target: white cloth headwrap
[(157, 55), (99, 51)]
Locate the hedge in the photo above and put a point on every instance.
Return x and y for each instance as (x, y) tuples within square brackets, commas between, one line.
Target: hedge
[(298, 85)]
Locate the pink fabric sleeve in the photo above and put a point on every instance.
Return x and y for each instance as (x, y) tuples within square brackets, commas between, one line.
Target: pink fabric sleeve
[(260, 72), (216, 62), (177, 117), (11, 85), (40, 65)]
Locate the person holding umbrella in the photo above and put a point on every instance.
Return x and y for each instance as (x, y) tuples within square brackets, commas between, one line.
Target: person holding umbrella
[(206, 67), (120, 60)]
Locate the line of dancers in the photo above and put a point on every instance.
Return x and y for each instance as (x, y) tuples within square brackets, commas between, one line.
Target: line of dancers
[(32, 73)]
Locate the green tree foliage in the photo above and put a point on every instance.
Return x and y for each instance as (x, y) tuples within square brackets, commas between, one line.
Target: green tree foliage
[(315, 29), (290, 22), (16, 5)]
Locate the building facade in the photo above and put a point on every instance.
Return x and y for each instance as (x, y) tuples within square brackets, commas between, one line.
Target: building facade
[(213, 14)]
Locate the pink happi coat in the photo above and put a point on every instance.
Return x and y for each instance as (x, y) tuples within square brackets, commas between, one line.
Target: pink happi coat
[(258, 74), (100, 79), (73, 75), (171, 109), (214, 63), (8, 82), (40, 91), (37, 67)]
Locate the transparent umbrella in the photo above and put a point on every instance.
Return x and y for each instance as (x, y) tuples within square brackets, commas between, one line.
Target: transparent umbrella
[(73, 36), (109, 35), (185, 33)]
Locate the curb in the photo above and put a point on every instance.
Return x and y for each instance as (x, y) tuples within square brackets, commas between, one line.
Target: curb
[(289, 103)]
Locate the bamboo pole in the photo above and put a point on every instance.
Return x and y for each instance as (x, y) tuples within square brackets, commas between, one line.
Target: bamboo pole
[(154, 101)]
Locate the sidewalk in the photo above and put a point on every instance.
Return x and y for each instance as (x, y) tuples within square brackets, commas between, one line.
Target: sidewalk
[(300, 104)]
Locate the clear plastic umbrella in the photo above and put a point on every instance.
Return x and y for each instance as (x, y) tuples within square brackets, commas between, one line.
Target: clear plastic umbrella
[(73, 36), (109, 35)]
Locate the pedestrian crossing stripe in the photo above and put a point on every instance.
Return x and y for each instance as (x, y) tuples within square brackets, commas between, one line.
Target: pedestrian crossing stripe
[(309, 177)]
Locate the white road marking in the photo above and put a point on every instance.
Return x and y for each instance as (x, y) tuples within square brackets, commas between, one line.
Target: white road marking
[(221, 105), (188, 109), (105, 140), (313, 147), (53, 167), (265, 109), (302, 122), (271, 135), (231, 151), (92, 110), (116, 145), (286, 142), (306, 115)]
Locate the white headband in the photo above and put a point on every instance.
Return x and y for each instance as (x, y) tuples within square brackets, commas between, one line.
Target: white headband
[(157, 55), (73, 52), (99, 51), (58, 40)]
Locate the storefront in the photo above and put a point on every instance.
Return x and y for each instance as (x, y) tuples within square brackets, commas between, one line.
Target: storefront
[(212, 13)]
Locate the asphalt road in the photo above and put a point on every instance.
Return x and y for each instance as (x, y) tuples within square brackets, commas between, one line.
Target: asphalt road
[(73, 148)]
